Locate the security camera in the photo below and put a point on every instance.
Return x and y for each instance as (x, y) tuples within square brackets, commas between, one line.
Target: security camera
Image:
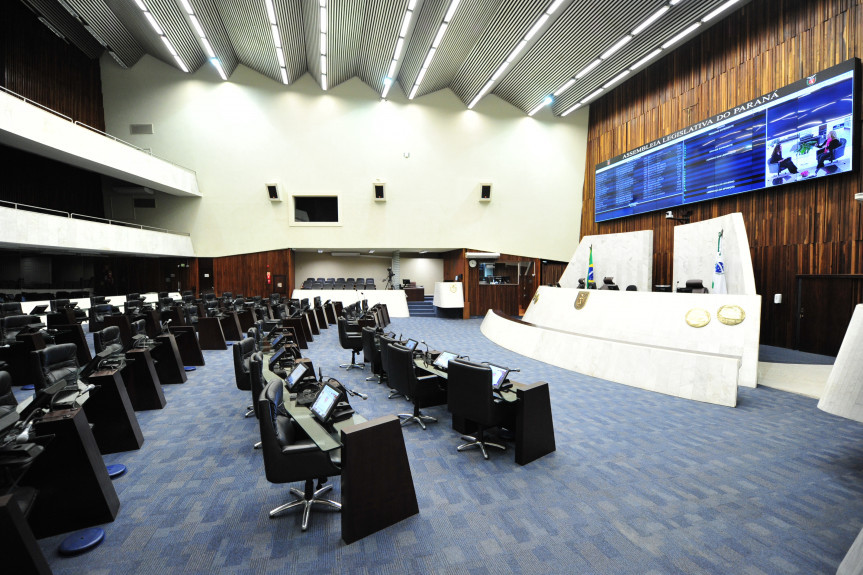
[(669, 215)]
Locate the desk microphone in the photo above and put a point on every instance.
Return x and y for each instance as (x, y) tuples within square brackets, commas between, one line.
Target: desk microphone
[(88, 389), (24, 436), (515, 370)]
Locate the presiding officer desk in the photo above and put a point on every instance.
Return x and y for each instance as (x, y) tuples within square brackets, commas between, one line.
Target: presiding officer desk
[(534, 428)]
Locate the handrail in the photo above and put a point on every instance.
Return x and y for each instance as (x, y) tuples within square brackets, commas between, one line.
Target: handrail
[(96, 219), (91, 128)]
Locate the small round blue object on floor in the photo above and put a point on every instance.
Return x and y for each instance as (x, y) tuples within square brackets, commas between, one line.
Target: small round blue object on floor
[(190, 368), (28, 387), (116, 470), (82, 541)]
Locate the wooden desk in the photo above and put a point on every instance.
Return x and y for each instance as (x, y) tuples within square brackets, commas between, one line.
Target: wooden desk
[(169, 366), (22, 553), (74, 333), (322, 318), (231, 326), (109, 409), (415, 293), (246, 319), (210, 335), (534, 426), (300, 329), (142, 381), (312, 318), (377, 485), (187, 343), (74, 488)]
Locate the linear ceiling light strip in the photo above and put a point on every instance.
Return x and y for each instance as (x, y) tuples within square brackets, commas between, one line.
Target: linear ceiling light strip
[(277, 40), (435, 43), (642, 61), (323, 44), (400, 44), (158, 29), (202, 37), (540, 22)]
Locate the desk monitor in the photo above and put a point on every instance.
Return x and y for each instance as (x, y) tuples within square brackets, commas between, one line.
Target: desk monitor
[(274, 359), (38, 310), (93, 365), (325, 403), (498, 375), (411, 344), (442, 360), (278, 341), (317, 301), (296, 375)]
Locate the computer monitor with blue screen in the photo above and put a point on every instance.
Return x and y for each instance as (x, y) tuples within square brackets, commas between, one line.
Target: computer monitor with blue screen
[(498, 375), (274, 359), (411, 344), (296, 375), (325, 403), (442, 360)]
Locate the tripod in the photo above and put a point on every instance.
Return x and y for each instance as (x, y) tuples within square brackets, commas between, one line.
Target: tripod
[(388, 281)]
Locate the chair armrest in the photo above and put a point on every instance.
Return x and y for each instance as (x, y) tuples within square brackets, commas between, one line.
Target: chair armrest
[(303, 446)]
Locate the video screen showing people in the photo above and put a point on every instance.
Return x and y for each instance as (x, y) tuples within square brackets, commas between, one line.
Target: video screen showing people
[(810, 136)]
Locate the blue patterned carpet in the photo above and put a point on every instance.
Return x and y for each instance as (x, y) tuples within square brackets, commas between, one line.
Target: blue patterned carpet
[(640, 483)]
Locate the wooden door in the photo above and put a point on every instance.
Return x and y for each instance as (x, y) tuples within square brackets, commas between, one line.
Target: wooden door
[(824, 307)]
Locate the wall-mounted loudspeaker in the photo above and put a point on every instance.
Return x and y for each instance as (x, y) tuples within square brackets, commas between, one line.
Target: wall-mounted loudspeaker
[(485, 192), (380, 192), (273, 192)]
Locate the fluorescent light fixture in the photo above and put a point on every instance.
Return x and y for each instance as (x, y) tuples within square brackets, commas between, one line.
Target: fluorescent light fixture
[(371, 251), (451, 12), (616, 79), (413, 92), (324, 81), (645, 60), (680, 36), (387, 84), (565, 87), (271, 12), (439, 36), (516, 52), (284, 76), (392, 70), (218, 65), (592, 96), (169, 46), (554, 6), (138, 2), (323, 64), (653, 18), (276, 39), (421, 76), (187, 7), (153, 23), (535, 28), (429, 57), (617, 46), (676, 2), (406, 23), (545, 102), (180, 63), (481, 255), (499, 71), (323, 43), (400, 44), (719, 10), (571, 109), (588, 69), (323, 19), (482, 93), (281, 56), (196, 25)]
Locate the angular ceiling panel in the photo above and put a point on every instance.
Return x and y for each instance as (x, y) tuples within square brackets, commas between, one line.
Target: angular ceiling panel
[(361, 36)]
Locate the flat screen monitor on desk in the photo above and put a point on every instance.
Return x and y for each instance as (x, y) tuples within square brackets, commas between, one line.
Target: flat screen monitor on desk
[(274, 359), (277, 341), (411, 344), (442, 360), (295, 376), (325, 403), (498, 375)]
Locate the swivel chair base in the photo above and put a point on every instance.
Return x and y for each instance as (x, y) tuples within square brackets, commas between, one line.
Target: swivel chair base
[(250, 411), (479, 442), (419, 418), (353, 364), (306, 500)]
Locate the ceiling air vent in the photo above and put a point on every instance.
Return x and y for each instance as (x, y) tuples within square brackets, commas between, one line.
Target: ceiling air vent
[(140, 128), (145, 202)]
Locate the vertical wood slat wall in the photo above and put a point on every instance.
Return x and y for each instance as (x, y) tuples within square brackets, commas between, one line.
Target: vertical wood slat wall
[(247, 273), (811, 227)]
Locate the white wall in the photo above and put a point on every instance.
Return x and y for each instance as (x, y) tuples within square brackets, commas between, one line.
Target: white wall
[(627, 257), (239, 135)]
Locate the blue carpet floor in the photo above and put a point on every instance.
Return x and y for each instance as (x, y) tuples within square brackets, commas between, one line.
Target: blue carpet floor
[(640, 483)]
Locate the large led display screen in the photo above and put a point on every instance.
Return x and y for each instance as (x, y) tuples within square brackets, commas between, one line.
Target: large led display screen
[(802, 131)]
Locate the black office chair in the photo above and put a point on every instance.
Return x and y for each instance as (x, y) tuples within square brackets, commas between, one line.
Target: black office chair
[(631, 287), (423, 390), (695, 286), (289, 455), (386, 363), (139, 327), (243, 351), (133, 307), (191, 313), (108, 338), (55, 362), (470, 395), (11, 308), (371, 354), (7, 398), (12, 325), (352, 341), (256, 333)]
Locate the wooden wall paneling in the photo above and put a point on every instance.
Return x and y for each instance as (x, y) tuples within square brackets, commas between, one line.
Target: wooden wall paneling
[(247, 273), (809, 227)]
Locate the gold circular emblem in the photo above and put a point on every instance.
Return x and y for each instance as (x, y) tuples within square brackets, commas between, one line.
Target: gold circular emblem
[(453, 288), (536, 297), (581, 299), (697, 317), (731, 314)]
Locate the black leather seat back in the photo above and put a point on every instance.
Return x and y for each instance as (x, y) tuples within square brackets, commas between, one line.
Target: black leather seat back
[(6, 395), (401, 369), (107, 338), (469, 392), (256, 372), (54, 363), (12, 325), (243, 351), (347, 340), (11, 308)]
